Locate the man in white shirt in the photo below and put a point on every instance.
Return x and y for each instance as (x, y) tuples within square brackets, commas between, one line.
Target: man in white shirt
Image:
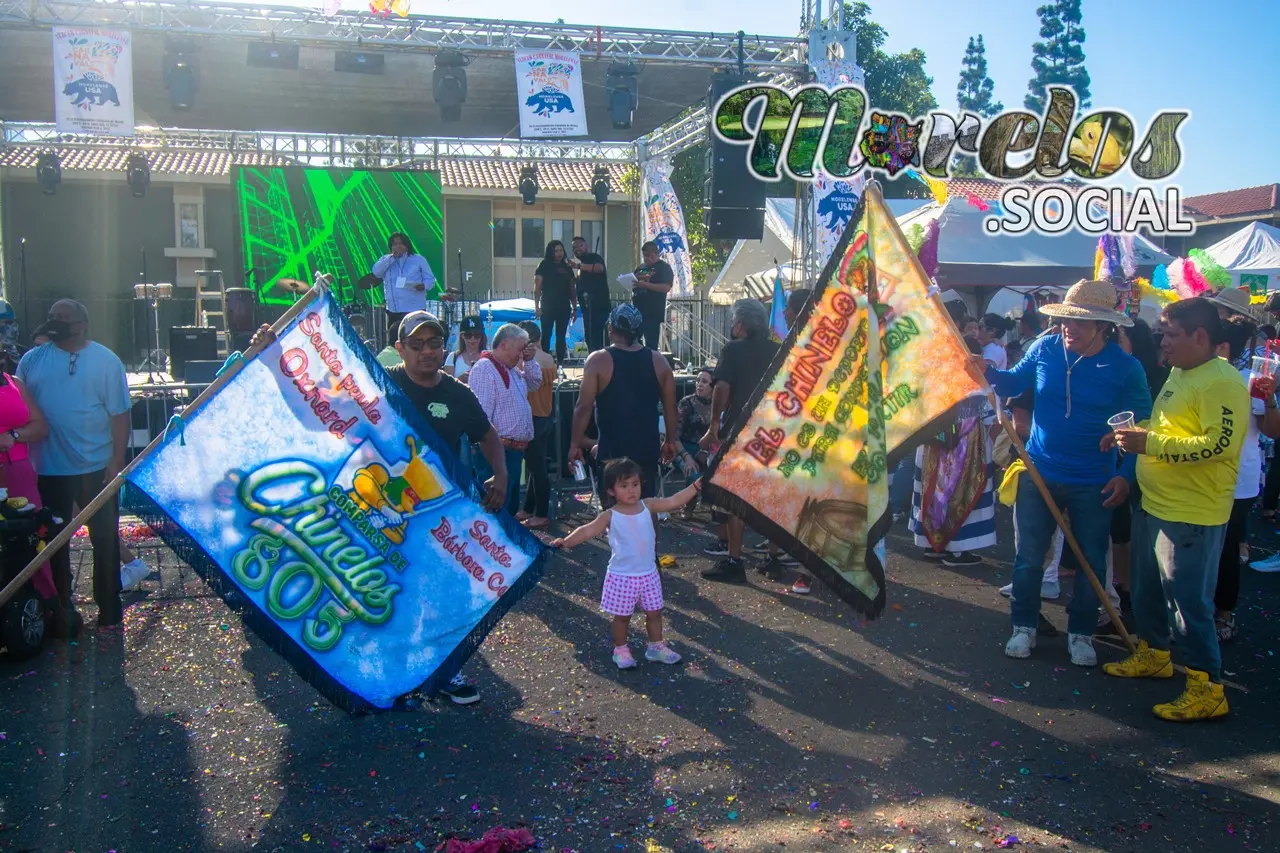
[(406, 280)]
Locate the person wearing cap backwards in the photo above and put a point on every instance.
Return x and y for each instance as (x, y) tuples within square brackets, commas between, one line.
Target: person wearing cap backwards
[(624, 384), (450, 409), (1188, 457), (1081, 378)]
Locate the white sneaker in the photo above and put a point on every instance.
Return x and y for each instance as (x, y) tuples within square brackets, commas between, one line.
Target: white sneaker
[(1081, 648), (1007, 590), (133, 574), (1050, 590), (1021, 643), (1271, 564)]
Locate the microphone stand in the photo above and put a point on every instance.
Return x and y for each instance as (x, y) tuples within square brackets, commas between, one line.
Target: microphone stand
[(22, 289)]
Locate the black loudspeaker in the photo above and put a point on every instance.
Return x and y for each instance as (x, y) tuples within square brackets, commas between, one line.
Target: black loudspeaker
[(270, 54), (202, 372), (190, 343), (733, 197)]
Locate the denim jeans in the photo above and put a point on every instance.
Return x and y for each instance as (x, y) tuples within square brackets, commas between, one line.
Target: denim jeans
[(515, 461), (900, 482), (1175, 567), (1091, 524)]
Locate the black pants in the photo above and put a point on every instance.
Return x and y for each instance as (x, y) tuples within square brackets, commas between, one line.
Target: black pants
[(393, 326), (60, 493), (1271, 488), (595, 317), (651, 326), (1228, 590), (537, 498), (555, 320)]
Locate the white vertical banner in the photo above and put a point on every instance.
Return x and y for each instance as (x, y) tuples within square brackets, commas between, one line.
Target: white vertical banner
[(835, 199), (93, 81), (549, 88), (664, 223)]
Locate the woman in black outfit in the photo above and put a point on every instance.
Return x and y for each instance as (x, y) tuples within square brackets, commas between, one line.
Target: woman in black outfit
[(555, 298)]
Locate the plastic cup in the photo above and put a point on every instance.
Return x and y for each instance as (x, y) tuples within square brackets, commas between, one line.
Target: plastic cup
[(1123, 420), (1263, 366)]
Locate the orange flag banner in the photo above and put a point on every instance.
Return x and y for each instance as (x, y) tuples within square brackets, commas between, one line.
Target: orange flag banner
[(872, 367)]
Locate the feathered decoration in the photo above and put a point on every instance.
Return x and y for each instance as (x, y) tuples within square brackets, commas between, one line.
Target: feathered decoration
[(928, 253), (936, 187), (1099, 258), (1128, 257), (1143, 289), (1107, 265), (974, 201), (915, 237), (1212, 271), (1185, 279), (1160, 279)]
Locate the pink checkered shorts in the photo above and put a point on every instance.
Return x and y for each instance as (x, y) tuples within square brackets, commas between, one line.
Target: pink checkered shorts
[(622, 593)]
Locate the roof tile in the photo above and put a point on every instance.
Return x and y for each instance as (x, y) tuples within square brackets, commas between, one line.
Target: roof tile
[(1263, 199), (476, 174)]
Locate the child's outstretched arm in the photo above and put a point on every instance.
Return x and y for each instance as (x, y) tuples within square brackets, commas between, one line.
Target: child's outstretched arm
[(677, 500), (590, 530)]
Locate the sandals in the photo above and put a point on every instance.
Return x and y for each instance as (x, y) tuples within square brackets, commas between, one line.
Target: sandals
[(541, 525)]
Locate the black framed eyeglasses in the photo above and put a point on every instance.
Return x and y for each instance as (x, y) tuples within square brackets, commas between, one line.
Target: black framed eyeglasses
[(419, 345), (71, 365)]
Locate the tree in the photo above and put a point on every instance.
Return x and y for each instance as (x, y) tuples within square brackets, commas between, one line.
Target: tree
[(1059, 58), (976, 88), (895, 82)]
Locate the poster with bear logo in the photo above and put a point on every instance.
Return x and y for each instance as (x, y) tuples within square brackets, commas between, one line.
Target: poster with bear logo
[(92, 81), (320, 504), (549, 90)]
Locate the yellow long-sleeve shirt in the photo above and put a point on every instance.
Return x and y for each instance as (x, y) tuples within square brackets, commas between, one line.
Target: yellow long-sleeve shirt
[(1194, 438)]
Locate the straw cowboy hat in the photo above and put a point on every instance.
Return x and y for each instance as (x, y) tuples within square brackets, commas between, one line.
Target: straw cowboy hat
[(1089, 300), (1233, 299)]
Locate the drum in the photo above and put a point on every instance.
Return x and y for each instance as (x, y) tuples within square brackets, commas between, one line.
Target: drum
[(242, 304)]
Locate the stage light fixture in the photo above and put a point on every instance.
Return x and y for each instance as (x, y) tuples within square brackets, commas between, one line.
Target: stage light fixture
[(623, 93), (48, 172), (600, 185), (449, 83), (138, 173), (529, 184), (181, 79)]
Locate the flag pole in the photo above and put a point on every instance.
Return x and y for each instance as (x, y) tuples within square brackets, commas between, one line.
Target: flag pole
[(109, 491)]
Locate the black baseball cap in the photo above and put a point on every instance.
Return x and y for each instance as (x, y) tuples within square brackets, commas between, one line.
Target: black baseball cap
[(471, 324), (415, 320)]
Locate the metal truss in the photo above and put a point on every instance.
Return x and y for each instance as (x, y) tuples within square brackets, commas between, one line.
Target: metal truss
[(191, 18), (322, 149)]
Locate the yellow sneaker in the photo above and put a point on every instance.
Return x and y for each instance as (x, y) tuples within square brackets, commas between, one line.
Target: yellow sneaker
[(1146, 662), (1202, 700)]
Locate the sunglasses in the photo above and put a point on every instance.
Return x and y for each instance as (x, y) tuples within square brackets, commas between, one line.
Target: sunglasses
[(473, 334), (419, 345)]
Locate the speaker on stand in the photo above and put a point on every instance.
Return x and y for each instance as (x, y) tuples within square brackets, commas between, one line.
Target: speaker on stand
[(733, 196)]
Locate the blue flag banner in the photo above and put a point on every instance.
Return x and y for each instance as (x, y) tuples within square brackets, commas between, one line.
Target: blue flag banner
[(319, 503)]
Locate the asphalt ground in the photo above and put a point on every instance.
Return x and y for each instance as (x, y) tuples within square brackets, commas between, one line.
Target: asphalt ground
[(791, 724)]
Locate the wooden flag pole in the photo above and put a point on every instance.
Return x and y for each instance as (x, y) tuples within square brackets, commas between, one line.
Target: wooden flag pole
[(110, 490), (1067, 534)]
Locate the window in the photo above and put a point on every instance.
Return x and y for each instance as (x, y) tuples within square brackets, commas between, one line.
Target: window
[(562, 230), (189, 223), (504, 238), (593, 232), (533, 238)]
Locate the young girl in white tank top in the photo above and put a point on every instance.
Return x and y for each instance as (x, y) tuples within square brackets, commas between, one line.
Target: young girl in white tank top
[(632, 577)]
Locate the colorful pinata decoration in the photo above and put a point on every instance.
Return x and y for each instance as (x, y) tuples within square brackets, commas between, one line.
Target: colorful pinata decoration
[(1212, 271), (1185, 279)]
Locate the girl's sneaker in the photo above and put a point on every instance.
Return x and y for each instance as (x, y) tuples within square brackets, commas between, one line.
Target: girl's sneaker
[(660, 652), (801, 585), (622, 657)]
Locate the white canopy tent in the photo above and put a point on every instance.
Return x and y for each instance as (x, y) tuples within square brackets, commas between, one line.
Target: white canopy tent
[(1251, 255)]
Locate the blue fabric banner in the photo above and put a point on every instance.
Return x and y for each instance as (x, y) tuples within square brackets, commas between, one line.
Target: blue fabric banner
[(321, 505)]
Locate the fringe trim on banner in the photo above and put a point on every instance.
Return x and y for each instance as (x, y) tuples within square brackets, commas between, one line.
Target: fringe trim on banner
[(137, 501)]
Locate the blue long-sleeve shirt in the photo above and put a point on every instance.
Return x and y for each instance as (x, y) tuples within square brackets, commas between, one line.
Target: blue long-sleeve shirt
[(400, 278), (1065, 449)]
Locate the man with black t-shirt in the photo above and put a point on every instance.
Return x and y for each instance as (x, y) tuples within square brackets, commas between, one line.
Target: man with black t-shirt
[(593, 293), (743, 363), (653, 282), (451, 410)]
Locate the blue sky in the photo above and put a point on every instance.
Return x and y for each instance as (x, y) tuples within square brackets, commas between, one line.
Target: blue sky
[(1218, 58)]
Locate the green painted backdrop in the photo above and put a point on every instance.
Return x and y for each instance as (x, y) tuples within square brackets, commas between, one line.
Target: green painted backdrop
[(296, 220)]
